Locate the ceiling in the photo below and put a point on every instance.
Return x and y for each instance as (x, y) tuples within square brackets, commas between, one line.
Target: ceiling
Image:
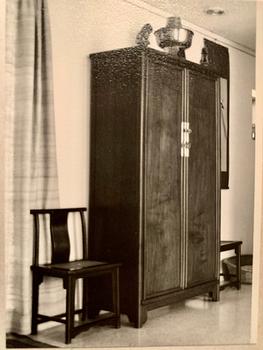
[(237, 24)]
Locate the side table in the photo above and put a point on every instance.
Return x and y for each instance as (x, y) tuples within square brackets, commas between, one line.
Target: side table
[(229, 245)]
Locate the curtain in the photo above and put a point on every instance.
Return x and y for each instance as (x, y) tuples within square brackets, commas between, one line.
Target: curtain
[(31, 169)]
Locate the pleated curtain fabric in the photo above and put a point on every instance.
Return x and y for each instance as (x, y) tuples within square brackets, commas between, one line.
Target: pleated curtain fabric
[(31, 168)]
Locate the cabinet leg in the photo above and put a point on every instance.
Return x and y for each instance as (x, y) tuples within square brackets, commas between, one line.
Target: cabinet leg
[(93, 312), (138, 320), (116, 296), (215, 293)]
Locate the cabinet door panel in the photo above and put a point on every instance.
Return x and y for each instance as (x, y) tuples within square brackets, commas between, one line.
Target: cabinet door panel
[(162, 236), (201, 236)]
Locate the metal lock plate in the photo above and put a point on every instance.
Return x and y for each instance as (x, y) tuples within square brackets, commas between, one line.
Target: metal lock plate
[(185, 139)]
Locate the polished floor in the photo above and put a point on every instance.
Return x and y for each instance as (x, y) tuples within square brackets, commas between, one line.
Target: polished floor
[(196, 321)]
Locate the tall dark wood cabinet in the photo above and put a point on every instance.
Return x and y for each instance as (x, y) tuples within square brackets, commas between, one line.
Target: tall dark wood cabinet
[(155, 179)]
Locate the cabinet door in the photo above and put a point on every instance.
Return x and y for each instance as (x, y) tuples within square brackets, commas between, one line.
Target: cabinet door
[(202, 234), (162, 230)]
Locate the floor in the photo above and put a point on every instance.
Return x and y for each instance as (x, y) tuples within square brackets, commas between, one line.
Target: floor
[(196, 321)]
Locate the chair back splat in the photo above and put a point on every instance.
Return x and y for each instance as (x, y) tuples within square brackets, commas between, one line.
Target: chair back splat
[(60, 243), (59, 237)]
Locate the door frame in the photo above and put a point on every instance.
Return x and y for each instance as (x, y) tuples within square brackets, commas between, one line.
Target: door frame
[(257, 284)]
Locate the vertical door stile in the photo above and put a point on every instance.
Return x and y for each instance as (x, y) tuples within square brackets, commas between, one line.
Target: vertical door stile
[(218, 177), (143, 152), (184, 181), (186, 160), (182, 185)]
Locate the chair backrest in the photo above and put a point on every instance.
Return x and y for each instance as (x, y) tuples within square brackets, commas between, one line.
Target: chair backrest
[(60, 243)]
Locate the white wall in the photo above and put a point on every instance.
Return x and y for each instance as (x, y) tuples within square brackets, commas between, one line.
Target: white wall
[(2, 175), (237, 203), (81, 27)]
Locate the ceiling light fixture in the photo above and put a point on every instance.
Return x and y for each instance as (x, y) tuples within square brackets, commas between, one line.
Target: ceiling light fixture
[(215, 11)]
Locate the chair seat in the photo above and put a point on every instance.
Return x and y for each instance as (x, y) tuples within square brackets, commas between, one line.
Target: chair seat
[(76, 265), (228, 245)]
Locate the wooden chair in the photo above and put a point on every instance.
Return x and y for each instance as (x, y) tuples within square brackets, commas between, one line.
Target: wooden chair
[(70, 271)]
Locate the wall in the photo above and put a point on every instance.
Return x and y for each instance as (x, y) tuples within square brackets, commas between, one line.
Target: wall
[(2, 175), (237, 203), (81, 27)]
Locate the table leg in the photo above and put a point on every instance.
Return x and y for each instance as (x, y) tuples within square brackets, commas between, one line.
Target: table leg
[(238, 263)]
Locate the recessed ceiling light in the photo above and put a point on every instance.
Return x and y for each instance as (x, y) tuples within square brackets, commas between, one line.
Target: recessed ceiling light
[(215, 11)]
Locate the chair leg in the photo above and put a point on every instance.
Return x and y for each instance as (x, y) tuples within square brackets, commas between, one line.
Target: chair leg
[(36, 281), (85, 299), (238, 266), (116, 296), (70, 307)]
